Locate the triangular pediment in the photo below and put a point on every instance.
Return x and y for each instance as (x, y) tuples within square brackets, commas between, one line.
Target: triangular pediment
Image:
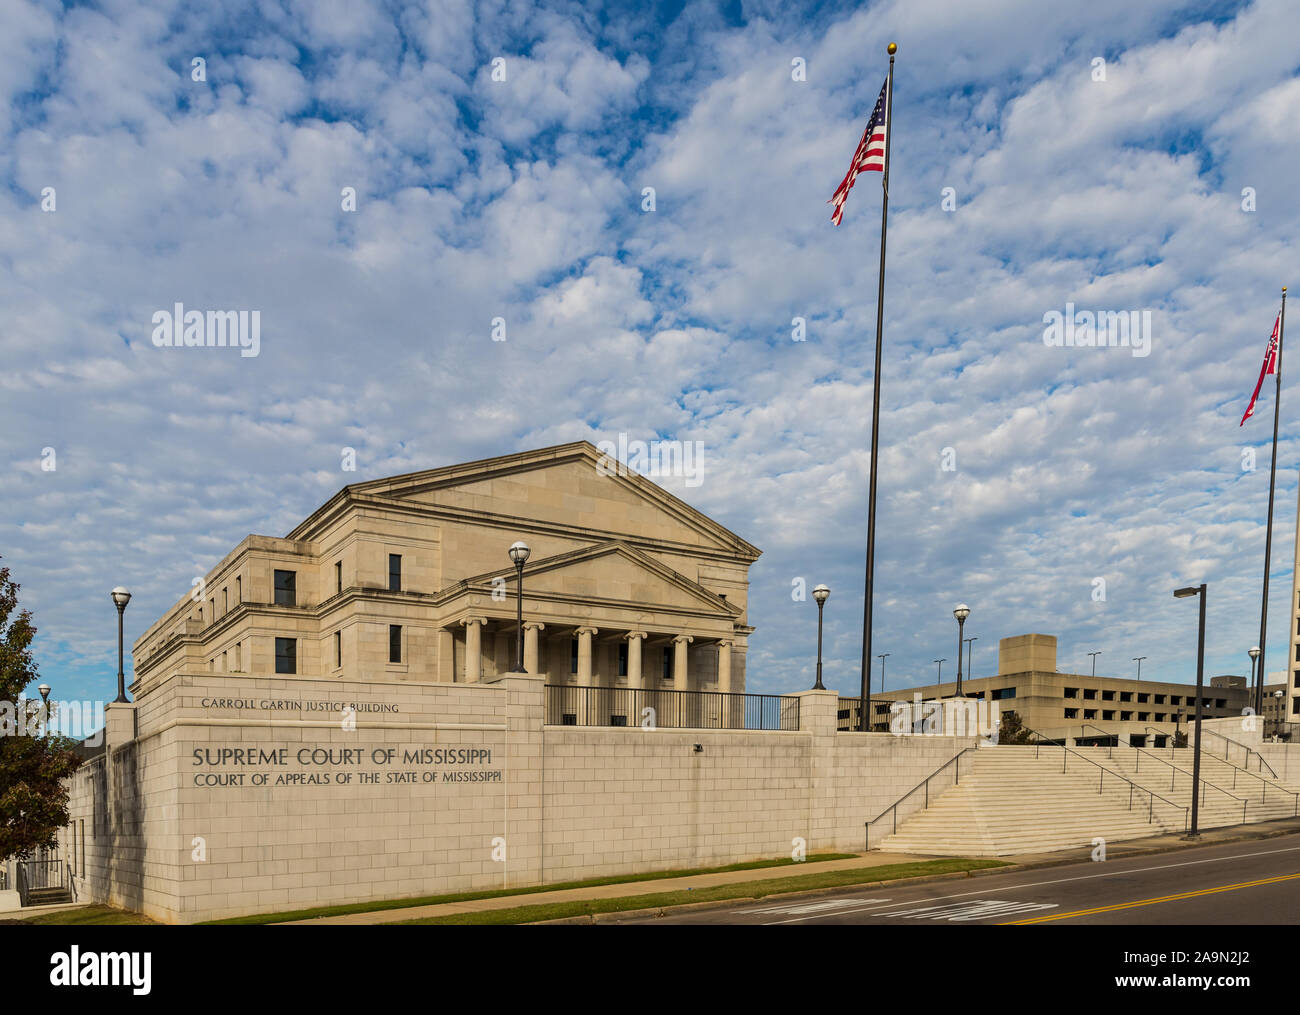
[(572, 487), (611, 572)]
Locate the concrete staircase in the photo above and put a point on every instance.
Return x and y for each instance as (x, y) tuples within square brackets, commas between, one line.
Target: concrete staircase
[(1229, 796), (1018, 800)]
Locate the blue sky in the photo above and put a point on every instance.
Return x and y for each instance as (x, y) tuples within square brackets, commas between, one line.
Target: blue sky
[(522, 199)]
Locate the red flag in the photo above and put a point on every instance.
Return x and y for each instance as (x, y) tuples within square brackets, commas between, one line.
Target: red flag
[(1269, 367)]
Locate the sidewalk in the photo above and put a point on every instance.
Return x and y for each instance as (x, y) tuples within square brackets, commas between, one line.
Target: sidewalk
[(619, 891), (1125, 848)]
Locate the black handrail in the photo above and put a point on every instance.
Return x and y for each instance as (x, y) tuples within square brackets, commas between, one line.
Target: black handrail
[(1249, 751), (1101, 782), (1174, 775), (925, 784)]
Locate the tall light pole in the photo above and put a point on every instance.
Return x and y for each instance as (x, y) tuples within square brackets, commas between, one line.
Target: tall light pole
[(882, 657), (940, 662), (45, 700), (821, 593), (120, 598), (519, 554), (1094, 661), (961, 613), (970, 672), (1254, 659), (1184, 593), (1138, 660)]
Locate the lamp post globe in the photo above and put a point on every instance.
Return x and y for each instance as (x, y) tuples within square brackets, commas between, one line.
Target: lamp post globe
[(519, 554), (821, 593), (961, 613), (120, 598)]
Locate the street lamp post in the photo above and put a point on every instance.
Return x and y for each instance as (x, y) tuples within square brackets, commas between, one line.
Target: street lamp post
[(1254, 659), (970, 671), (882, 657), (1094, 661), (821, 593), (1184, 593), (961, 613), (120, 598), (519, 554), (940, 662), (45, 700), (1138, 660)]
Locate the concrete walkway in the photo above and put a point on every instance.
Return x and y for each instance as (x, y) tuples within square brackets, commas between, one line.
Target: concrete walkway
[(619, 891), (1131, 847)]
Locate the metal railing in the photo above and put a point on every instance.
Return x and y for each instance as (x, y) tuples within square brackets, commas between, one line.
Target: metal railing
[(922, 787), (1152, 797), (569, 705), (1173, 776), (1168, 738), (1229, 744)]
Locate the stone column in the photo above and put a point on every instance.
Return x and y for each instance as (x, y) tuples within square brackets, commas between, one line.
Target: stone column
[(585, 635), (724, 666), (679, 661), (531, 628), (634, 640), (473, 648)]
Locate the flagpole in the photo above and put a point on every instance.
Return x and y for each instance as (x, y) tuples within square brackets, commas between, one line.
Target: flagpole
[(865, 702), (1268, 538)]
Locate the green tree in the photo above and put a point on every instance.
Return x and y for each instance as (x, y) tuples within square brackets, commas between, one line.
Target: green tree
[(1011, 730), (33, 763)]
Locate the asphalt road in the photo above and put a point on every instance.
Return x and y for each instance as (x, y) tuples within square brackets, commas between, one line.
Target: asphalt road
[(1241, 883)]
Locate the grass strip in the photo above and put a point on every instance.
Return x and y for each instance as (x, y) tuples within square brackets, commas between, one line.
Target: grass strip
[(719, 893), (434, 900)]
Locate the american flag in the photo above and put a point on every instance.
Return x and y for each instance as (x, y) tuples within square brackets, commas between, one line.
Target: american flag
[(869, 158), (1269, 367)]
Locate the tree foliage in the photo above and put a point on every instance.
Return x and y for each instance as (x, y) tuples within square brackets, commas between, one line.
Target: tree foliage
[(33, 763), (1011, 729)]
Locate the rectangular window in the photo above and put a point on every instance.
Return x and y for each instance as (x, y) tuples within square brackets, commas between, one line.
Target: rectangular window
[(338, 576), (338, 649), (239, 657), (1126, 716), (1071, 713), (225, 601), (1160, 717), (286, 583), (618, 720), (1071, 692), (223, 663), (1143, 716), (286, 655), (1089, 694), (1160, 699), (1090, 713), (999, 693), (573, 655), (394, 572), (668, 663), (1108, 713), (1125, 695), (622, 659), (1107, 695), (1175, 699), (1143, 699), (239, 590), (1220, 702), (394, 643)]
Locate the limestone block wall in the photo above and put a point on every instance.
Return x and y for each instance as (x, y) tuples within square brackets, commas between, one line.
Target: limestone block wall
[(227, 795)]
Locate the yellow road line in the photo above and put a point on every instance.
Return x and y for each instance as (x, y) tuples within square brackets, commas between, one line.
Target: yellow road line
[(1150, 902)]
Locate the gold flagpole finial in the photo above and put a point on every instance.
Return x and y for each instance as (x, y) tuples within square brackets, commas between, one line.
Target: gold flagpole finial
[(893, 48)]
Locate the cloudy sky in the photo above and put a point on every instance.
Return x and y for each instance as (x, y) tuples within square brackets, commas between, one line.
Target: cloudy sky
[(1114, 185)]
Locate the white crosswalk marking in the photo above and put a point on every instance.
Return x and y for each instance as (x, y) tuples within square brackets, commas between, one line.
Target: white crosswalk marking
[(829, 905), (976, 909)]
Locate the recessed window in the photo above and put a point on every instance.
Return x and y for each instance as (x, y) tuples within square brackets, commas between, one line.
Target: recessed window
[(394, 643), (225, 601), (1090, 713), (338, 649), (668, 663), (573, 655), (338, 576), (239, 590), (1126, 716), (1071, 692), (1089, 694), (394, 572), (1108, 713), (1160, 717), (1159, 699), (1107, 695), (998, 693), (286, 583), (622, 659), (239, 657), (286, 655), (1071, 713), (1125, 695), (1175, 699), (1143, 699)]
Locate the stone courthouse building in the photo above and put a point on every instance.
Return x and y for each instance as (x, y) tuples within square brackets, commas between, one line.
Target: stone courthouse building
[(337, 716), (408, 578)]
